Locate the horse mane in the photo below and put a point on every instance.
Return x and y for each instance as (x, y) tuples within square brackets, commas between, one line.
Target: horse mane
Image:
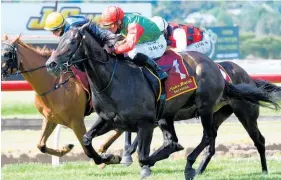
[(45, 52)]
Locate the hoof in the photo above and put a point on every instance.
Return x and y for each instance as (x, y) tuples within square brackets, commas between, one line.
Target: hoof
[(70, 146), (190, 174), (111, 159), (102, 166), (126, 160), (66, 149), (100, 151), (178, 147), (145, 172), (264, 172)]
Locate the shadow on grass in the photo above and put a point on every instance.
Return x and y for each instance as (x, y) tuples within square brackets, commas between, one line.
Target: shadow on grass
[(114, 173), (244, 176), (159, 171)]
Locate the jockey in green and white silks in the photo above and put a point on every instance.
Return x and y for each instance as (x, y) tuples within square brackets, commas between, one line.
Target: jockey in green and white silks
[(142, 37)]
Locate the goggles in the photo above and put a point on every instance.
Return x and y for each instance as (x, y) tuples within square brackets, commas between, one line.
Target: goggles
[(109, 26)]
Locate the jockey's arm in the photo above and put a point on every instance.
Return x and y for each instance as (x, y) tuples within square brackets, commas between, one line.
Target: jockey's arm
[(135, 31)]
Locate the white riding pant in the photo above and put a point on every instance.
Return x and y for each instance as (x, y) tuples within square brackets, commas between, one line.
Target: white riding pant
[(203, 46), (154, 49)]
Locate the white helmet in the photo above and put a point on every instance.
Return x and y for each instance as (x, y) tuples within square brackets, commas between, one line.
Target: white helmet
[(160, 22)]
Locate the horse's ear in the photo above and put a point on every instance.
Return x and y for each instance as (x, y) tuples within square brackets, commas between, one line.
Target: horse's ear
[(18, 37), (6, 37), (85, 26)]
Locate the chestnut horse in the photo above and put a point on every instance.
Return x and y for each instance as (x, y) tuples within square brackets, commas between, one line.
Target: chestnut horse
[(65, 105)]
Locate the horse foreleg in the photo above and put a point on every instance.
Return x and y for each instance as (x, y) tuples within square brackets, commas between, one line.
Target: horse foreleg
[(170, 144), (110, 140), (47, 129), (99, 127), (145, 133), (79, 129)]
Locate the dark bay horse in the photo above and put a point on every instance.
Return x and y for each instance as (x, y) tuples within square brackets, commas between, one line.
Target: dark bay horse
[(65, 105), (246, 113), (124, 100)]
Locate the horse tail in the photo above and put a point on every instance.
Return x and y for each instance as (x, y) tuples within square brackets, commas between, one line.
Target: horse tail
[(254, 95), (268, 87)]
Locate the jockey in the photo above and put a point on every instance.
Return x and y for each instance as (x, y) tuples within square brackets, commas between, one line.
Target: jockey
[(143, 40), (58, 25), (197, 39)]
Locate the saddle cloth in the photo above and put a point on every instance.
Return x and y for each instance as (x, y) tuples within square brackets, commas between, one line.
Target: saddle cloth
[(179, 81), (83, 79)]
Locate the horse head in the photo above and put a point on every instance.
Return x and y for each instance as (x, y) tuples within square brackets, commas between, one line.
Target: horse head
[(70, 51), (9, 57)]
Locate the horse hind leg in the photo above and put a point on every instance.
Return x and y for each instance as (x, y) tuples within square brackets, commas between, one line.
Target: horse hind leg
[(248, 116), (111, 139), (129, 149), (47, 129), (218, 118), (206, 114)]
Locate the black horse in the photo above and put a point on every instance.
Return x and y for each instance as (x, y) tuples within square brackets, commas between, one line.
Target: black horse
[(246, 113), (124, 99)]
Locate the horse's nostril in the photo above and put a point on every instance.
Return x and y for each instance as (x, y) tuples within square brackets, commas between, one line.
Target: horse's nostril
[(52, 64)]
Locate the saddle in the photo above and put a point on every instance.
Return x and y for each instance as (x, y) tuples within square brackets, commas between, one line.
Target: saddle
[(83, 79)]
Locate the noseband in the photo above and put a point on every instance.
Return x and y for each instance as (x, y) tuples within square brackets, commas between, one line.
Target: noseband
[(17, 63)]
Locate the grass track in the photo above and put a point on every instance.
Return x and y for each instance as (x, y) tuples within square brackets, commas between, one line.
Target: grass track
[(221, 168)]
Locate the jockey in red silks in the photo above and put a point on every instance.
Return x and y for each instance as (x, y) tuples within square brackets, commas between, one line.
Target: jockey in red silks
[(197, 39), (143, 41)]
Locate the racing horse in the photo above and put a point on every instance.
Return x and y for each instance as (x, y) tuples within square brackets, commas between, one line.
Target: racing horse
[(246, 113), (124, 99), (60, 100)]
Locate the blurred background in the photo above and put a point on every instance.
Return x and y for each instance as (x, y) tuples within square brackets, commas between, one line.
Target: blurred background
[(240, 30), (246, 32)]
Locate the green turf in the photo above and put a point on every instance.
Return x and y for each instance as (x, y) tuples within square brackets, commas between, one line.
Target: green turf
[(220, 168)]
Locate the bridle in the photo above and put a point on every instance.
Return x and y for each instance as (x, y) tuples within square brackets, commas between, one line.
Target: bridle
[(67, 65), (16, 63)]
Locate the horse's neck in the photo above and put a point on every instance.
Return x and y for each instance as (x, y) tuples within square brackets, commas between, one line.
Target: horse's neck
[(39, 79), (99, 73)]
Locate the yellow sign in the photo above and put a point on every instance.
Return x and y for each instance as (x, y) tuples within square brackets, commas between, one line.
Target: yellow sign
[(37, 23)]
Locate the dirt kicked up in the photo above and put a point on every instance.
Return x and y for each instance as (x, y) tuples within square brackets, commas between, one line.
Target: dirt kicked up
[(232, 141)]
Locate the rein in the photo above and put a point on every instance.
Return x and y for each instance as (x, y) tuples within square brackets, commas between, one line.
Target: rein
[(14, 57), (111, 78), (70, 62), (56, 86)]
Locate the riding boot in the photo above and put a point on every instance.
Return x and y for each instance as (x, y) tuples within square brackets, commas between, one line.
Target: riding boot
[(151, 64), (143, 60)]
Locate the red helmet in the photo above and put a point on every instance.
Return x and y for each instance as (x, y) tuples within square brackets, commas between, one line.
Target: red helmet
[(111, 15)]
